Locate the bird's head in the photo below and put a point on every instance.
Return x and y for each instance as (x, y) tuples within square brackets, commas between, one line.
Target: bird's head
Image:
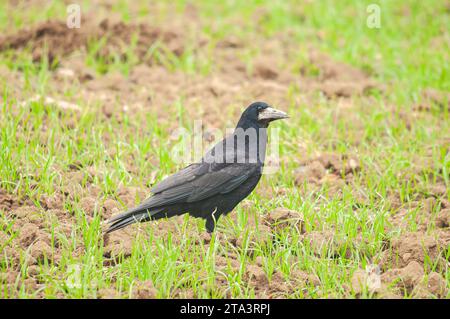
[(261, 114)]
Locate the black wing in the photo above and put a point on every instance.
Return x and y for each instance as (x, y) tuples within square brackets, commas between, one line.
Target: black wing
[(199, 181)]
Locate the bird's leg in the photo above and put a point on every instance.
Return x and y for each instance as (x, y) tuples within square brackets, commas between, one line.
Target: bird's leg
[(210, 225), (211, 221), (207, 237)]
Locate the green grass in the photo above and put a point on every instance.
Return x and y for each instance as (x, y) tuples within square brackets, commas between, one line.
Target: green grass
[(409, 53)]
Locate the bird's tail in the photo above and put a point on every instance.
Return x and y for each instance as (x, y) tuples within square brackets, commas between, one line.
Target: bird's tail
[(139, 214)]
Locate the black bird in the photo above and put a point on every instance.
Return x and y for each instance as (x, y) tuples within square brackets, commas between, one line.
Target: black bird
[(226, 175)]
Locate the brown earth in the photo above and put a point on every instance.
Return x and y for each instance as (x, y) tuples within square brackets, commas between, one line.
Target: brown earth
[(338, 79), (332, 171), (53, 39), (431, 98)]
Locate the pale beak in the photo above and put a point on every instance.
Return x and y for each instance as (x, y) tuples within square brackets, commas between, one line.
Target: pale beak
[(271, 114)]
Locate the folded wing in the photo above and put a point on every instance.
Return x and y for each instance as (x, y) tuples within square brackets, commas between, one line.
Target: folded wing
[(199, 181)]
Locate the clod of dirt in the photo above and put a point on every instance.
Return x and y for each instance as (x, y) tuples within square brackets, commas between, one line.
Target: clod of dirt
[(230, 42), (416, 247), (340, 164), (144, 290), (337, 89), (443, 218), (23, 212), (311, 173), (432, 285), (259, 260), (54, 35), (223, 263), (52, 39), (256, 276), (88, 205), (283, 217), (411, 274), (411, 278), (33, 270), (107, 293), (110, 208), (11, 255), (184, 293), (118, 245), (327, 169), (28, 234), (437, 190), (120, 33), (332, 70), (55, 201), (404, 216), (339, 79), (6, 200), (9, 277), (41, 251), (265, 70), (305, 278), (278, 286), (432, 97), (30, 285)]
